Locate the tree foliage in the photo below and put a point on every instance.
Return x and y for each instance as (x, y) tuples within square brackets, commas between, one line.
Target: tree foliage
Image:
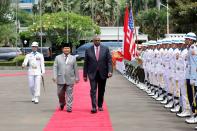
[(183, 15), (104, 12), (25, 18), (7, 34), (4, 11), (7, 26), (54, 26), (152, 22)]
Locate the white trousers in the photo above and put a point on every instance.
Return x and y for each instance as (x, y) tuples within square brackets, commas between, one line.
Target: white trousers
[(34, 84), (181, 89), (172, 85), (177, 84), (161, 81), (152, 78), (184, 97), (167, 83)]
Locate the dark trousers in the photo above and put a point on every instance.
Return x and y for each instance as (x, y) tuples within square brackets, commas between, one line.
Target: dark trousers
[(191, 90), (141, 75), (100, 83)]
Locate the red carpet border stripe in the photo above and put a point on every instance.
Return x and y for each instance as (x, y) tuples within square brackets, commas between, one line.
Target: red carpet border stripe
[(19, 74)]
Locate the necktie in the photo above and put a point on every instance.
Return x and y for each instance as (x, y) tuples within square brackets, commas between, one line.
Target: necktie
[(97, 53), (66, 58)]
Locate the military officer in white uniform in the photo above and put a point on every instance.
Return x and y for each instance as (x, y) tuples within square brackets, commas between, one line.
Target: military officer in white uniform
[(36, 69), (165, 63), (161, 71), (191, 74), (185, 102), (177, 76)]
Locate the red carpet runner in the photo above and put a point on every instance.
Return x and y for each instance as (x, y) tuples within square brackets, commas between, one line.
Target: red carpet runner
[(80, 119)]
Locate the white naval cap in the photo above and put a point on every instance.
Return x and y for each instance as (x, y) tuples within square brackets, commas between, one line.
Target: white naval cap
[(167, 41), (176, 40), (34, 43), (182, 40), (152, 42), (191, 35), (159, 42), (145, 44)]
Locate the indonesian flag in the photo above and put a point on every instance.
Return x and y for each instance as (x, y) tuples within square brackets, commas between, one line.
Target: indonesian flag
[(128, 34)]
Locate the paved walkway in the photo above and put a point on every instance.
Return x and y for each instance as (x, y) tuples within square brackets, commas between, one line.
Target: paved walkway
[(130, 108)]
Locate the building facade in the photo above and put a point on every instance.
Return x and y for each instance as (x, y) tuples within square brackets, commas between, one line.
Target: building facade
[(26, 5)]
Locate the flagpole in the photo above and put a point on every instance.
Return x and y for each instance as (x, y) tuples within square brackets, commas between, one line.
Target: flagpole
[(67, 22), (41, 33)]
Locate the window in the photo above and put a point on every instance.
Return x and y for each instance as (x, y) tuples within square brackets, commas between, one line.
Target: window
[(26, 1)]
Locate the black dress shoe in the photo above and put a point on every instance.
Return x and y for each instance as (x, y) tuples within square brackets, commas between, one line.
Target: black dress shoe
[(100, 109), (36, 102), (93, 111), (69, 111), (61, 107)]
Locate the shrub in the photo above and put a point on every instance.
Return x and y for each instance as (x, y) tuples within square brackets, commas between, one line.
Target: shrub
[(7, 63), (19, 60)]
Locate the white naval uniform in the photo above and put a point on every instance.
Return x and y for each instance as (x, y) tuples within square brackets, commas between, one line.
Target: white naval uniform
[(153, 78), (171, 70), (184, 99), (154, 68), (166, 64), (149, 64), (144, 64), (193, 60), (36, 68), (158, 67), (161, 68), (178, 71)]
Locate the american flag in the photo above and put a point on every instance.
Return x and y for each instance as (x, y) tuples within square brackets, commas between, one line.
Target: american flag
[(129, 44), (133, 47), (131, 26)]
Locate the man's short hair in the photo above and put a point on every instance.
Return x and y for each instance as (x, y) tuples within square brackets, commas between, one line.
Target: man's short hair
[(96, 36), (65, 45)]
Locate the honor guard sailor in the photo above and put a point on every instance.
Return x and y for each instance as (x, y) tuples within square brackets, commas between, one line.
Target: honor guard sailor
[(36, 68)]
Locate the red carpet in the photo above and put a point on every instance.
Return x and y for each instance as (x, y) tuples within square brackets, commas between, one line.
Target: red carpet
[(80, 119), (20, 74), (13, 74)]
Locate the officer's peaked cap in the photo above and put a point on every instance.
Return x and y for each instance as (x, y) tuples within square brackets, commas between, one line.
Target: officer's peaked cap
[(34, 43)]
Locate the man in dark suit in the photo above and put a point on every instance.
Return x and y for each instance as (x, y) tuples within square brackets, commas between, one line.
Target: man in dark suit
[(97, 67)]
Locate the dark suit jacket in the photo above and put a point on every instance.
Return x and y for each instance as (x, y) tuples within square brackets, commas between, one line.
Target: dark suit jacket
[(103, 65)]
